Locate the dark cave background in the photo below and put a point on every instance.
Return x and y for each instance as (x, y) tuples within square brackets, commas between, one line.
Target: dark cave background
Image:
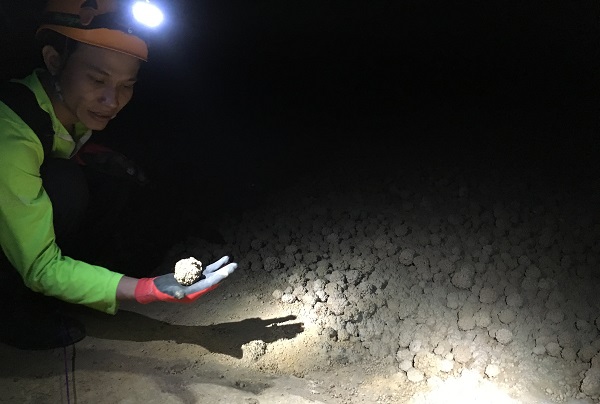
[(241, 98)]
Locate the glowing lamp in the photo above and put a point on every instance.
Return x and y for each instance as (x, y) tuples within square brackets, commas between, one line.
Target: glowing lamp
[(147, 14)]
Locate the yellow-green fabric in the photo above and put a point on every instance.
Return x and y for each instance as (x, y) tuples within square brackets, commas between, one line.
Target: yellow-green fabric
[(26, 226)]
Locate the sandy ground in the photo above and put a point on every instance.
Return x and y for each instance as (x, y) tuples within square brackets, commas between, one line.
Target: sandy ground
[(423, 286)]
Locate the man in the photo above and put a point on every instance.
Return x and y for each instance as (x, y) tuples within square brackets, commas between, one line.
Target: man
[(92, 52)]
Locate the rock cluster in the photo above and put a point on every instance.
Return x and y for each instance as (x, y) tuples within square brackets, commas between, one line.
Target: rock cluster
[(434, 278)]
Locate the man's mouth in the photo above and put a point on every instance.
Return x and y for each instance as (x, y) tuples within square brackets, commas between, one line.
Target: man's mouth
[(101, 116)]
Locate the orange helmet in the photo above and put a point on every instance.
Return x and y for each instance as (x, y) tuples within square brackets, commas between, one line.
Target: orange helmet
[(103, 23)]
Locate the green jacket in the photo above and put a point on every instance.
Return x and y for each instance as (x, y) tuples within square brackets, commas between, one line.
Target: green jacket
[(26, 227)]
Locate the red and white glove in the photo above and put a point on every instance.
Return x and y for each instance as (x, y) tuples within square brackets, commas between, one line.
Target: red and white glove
[(166, 288)]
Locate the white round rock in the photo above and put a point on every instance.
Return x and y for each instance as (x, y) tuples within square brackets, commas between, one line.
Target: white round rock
[(188, 271)]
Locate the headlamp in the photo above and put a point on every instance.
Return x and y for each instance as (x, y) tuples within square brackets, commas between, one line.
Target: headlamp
[(126, 26), (135, 17), (147, 14)]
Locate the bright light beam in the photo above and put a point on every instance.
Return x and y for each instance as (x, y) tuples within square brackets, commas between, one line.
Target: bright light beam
[(469, 388), (147, 14)]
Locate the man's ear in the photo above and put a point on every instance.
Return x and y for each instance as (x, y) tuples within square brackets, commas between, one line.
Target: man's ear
[(52, 59)]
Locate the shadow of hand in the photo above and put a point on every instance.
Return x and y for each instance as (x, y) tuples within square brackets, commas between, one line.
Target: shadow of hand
[(223, 338)]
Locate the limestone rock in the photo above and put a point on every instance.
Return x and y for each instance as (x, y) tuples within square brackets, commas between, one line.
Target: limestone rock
[(188, 271)]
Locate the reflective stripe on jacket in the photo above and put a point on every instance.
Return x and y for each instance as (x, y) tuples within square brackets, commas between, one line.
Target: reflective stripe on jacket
[(26, 227)]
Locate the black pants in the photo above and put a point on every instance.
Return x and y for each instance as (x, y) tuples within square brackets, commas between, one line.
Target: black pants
[(86, 206)]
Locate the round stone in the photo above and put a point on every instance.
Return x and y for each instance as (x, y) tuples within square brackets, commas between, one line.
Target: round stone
[(188, 271), (504, 336), (415, 375), (492, 370)]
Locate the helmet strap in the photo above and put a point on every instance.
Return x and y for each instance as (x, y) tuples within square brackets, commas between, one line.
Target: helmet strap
[(59, 93), (57, 88)]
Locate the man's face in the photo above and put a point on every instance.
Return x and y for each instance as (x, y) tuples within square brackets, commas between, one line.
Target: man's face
[(96, 84)]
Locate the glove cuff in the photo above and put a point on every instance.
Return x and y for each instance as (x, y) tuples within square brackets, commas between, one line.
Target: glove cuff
[(145, 291)]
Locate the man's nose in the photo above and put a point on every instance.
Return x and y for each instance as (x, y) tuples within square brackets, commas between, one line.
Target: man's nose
[(110, 97)]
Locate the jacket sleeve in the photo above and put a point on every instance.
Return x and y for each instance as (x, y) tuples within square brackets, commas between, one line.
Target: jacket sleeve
[(27, 232)]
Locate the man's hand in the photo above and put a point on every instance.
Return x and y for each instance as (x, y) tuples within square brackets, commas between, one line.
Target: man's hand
[(165, 288)]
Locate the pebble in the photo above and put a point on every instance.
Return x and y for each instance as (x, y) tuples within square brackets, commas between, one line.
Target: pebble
[(504, 336), (507, 316), (415, 375), (492, 370)]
